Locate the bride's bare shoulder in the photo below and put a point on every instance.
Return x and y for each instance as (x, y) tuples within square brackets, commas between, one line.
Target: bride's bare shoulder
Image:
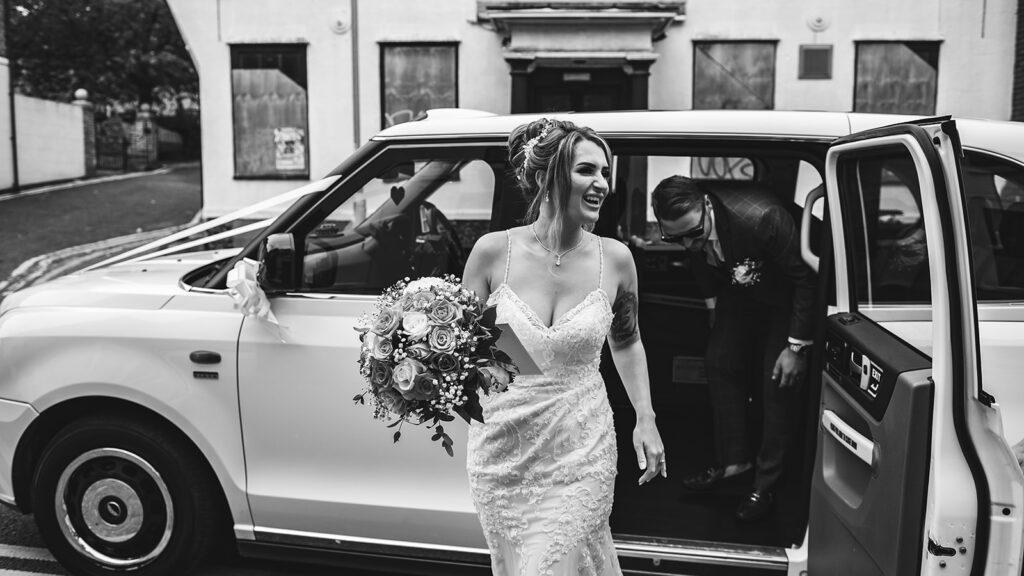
[(489, 245)]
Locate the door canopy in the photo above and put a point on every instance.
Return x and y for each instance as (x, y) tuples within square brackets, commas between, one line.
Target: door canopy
[(580, 33)]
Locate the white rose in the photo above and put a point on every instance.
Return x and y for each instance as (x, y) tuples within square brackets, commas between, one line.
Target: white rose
[(416, 324)]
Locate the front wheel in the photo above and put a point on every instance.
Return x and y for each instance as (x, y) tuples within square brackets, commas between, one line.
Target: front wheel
[(116, 495)]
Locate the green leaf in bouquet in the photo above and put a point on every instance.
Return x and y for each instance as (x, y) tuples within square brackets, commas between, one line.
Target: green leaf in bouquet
[(473, 408), (489, 317), (462, 413), (448, 449), (398, 434), (359, 398), (445, 417), (395, 423), (437, 436)]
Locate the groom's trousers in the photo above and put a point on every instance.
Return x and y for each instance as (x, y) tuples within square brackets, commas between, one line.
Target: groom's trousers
[(745, 342)]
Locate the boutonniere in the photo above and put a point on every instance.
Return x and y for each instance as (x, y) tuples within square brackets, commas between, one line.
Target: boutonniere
[(747, 272)]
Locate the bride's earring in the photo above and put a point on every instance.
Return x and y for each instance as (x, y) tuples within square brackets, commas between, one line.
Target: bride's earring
[(547, 196)]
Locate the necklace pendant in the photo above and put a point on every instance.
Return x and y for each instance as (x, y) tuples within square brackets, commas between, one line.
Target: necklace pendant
[(558, 260)]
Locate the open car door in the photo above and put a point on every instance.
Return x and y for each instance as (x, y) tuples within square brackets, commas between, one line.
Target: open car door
[(912, 473)]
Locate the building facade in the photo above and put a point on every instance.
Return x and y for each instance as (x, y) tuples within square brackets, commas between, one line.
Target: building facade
[(287, 93)]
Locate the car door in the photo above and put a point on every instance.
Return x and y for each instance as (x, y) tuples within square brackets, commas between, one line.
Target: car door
[(912, 473), (322, 471)]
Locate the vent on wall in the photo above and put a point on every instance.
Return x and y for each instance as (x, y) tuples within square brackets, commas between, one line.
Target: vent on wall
[(815, 62)]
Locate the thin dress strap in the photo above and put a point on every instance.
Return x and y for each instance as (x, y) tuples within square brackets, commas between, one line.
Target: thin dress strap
[(508, 255), (600, 274)]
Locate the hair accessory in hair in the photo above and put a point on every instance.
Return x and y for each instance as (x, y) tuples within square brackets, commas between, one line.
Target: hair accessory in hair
[(528, 147)]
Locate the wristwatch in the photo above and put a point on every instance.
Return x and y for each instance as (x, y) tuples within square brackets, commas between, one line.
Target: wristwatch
[(799, 349)]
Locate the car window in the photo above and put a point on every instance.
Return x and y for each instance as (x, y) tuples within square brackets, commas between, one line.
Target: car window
[(886, 234), (994, 189), (789, 178), (411, 217)]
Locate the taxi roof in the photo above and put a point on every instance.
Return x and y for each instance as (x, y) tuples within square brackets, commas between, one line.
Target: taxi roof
[(1000, 137)]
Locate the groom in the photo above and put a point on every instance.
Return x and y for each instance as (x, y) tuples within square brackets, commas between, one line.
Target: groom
[(744, 253)]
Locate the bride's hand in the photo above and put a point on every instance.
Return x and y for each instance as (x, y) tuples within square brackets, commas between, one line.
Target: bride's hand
[(650, 452)]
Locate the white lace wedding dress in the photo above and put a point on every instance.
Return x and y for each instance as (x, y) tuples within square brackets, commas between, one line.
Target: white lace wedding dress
[(542, 468)]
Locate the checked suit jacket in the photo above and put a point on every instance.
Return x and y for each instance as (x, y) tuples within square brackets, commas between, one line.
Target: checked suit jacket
[(754, 224)]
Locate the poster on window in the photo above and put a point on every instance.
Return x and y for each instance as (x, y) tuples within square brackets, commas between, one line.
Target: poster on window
[(290, 148), (417, 78)]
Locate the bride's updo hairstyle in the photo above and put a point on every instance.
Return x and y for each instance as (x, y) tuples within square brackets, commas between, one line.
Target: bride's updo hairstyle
[(541, 153)]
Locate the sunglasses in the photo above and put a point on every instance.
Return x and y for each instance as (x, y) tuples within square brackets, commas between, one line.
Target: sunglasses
[(691, 234)]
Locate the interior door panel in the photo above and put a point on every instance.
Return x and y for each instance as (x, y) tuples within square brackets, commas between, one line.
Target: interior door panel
[(868, 496)]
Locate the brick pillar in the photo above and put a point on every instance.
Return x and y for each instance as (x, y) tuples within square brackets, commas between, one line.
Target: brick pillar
[(88, 129), (1017, 111)]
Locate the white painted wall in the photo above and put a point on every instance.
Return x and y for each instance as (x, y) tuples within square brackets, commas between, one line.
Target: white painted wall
[(975, 58), (6, 157), (51, 141), (975, 61)]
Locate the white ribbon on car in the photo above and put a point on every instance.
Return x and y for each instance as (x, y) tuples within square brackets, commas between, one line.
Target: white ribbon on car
[(249, 298)]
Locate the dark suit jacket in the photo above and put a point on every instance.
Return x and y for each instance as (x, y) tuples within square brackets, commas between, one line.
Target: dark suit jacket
[(755, 224)]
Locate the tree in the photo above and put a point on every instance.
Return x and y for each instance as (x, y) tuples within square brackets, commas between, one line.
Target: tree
[(121, 51)]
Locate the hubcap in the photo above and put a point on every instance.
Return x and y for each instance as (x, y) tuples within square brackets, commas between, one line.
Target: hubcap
[(114, 508)]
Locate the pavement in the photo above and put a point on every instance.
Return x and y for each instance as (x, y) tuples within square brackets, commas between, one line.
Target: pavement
[(50, 231)]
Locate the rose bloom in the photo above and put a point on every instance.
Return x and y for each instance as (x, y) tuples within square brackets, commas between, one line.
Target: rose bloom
[(394, 402), (498, 376), (424, 388), (446, 362), (416, 324), (442, 339), (422, 300), (405, 373), (380, 374), (419, 351), (387, 321), (381, 348), (443, 312)]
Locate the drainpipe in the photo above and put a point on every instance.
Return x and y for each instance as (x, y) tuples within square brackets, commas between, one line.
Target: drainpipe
[(15, 185), (355, 74)]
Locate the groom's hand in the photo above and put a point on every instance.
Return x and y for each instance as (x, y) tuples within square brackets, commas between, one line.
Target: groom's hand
[(789, 368)]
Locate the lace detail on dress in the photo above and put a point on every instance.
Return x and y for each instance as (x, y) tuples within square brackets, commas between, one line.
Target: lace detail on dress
[(542, 468)]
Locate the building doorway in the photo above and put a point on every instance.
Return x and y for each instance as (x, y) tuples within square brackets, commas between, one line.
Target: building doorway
[(579, 90)]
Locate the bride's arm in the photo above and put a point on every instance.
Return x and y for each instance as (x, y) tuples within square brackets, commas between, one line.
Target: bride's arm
[(488, 250), (631, 363)]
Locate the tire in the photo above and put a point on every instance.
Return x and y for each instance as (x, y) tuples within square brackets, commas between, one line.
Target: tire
[(115, 495)]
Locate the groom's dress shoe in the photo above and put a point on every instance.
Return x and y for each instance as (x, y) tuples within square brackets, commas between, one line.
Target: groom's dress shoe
[(704, 479), (755, 505), (714, 475)]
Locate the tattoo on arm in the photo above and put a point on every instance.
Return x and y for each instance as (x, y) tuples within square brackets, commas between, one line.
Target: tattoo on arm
[(624, 329)]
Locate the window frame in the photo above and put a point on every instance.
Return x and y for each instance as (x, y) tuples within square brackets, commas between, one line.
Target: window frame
[(384, 45), (236, 51), (775, 69)]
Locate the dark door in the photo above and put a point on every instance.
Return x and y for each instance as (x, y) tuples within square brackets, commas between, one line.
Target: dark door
[(905, 478), (579, 90)]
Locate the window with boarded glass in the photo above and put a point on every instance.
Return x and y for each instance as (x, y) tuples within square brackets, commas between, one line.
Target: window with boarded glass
[(896, 77), (415, 78), (271, 110), (734, 75)]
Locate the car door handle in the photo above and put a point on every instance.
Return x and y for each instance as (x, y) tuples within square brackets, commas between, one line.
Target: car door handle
[(854, 441), (204, 357)]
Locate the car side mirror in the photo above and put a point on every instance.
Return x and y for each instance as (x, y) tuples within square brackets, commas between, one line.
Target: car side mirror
[(278, 269)]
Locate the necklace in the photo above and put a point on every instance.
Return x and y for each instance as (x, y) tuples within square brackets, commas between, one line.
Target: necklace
[(558, 257)]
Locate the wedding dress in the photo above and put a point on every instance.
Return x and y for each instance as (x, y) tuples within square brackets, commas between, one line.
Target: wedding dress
[(542, 468)]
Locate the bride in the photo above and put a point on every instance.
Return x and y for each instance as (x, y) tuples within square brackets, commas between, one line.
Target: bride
[(542, 468)]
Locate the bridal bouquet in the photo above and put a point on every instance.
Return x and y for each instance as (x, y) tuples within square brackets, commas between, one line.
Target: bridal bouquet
[(428, 350)]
